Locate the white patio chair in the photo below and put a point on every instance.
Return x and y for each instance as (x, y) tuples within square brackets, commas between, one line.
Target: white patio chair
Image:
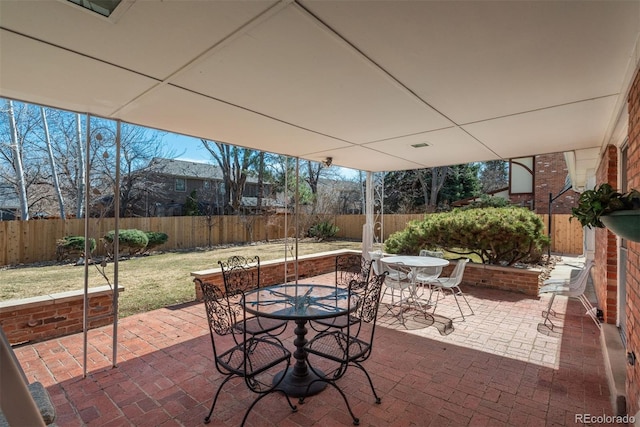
[(397, 283), (452, 284), (572, 288), (425, 275)]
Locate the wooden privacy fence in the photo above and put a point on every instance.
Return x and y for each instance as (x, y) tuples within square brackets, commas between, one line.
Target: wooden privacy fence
[(23, 242)]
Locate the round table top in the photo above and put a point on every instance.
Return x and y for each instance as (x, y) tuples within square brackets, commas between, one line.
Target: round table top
[(415, 261), (299, 302)]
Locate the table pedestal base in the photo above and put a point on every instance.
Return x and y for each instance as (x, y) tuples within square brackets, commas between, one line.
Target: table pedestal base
[(296, 386)]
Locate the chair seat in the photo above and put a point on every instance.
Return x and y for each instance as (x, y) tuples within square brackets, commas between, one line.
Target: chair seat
[(396, 275), (560, 285), (260, 325), (445, 282), (395, 284), (426, 278), (333, 345), (339, 322), (264, 355)]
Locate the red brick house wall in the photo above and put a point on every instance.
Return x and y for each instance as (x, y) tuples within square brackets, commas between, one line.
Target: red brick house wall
[(606, 259), (550, 175), (633, 261)]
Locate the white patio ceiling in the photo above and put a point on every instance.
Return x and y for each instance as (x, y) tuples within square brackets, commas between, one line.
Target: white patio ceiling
[(358, 81)]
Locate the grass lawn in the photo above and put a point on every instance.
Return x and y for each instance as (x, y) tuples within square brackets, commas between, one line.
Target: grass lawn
[(150, 282)]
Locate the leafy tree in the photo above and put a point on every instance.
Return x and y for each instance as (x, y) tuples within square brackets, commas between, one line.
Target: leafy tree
[(138, 147), (283, 171), (494, 175), (52, 163), (234, 162), (417, 191), (15, 156), (53, 144), (402, 192)]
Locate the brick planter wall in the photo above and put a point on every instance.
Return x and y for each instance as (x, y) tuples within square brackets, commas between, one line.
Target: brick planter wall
[(504, 278), (45, 317)]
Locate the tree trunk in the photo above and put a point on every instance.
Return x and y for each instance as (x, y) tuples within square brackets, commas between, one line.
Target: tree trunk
[(52, 164), (438, 177), (82, 170), (260, 182), (17, 164)]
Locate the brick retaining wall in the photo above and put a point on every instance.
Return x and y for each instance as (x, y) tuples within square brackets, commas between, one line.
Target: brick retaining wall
[(50, 316), (487, 276), (273, 271)]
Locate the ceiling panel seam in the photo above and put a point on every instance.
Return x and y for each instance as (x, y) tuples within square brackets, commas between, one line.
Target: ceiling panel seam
[(270, 11), (261, 114), (371, 61), (535, 110), (386, 72)]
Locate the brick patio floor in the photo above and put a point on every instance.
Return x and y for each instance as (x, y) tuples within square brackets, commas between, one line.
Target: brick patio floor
[(494, 369)]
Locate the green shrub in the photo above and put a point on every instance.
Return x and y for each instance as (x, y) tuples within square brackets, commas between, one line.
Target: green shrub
[(497, 235), (323, 230), (156, 238), (487, 201), (72, 246), (135, 241)]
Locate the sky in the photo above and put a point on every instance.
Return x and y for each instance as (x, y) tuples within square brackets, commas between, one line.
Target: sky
[(191, 149)]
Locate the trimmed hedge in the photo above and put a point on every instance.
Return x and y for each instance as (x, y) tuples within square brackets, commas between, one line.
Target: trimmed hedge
[(156, 238), (135, 241), (72, 246), (502, 236), (323, 230)]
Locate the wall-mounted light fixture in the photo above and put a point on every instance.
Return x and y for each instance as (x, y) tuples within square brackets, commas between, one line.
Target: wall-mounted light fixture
[(631, 358), (327, 161)]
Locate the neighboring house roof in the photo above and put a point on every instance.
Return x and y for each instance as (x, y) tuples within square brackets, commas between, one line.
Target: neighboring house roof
[(187, 169)]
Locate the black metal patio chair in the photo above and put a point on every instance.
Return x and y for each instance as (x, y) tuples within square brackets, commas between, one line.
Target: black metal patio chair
[(242, 274), (338, 348), (351, 270), (255, 359)]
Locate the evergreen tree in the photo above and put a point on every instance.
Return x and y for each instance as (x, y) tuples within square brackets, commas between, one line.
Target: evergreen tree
[(462, 183), (405, 190), (191, 205)]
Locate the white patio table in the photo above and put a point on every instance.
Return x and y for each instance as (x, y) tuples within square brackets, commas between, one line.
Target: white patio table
[(415, 263)]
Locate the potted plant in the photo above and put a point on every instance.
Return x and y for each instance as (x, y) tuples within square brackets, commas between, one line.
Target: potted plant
[(606, 207)]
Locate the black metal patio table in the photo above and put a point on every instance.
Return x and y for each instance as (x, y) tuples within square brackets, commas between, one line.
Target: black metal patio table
[(300, 303)]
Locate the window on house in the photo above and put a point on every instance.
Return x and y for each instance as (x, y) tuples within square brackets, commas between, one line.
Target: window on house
[(207, 185), (181, 184)]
